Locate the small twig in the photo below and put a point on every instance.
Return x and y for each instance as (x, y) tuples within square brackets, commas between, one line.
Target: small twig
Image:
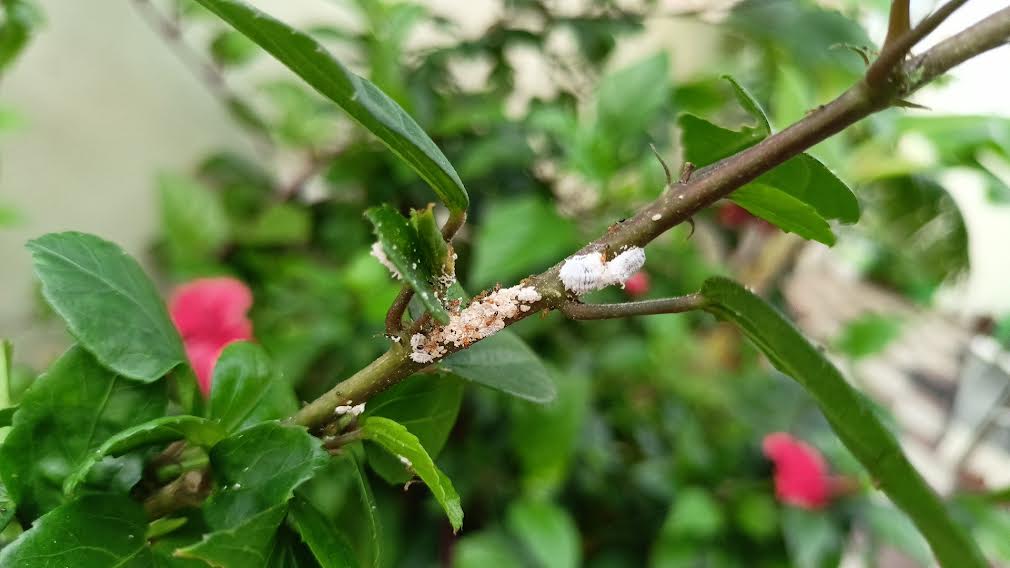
[(169, 28), (184, 492), (314, 165), (337, 442), (676, 305), (893, 53)]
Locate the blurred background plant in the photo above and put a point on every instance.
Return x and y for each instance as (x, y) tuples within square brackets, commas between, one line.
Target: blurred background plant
[(651, 454)]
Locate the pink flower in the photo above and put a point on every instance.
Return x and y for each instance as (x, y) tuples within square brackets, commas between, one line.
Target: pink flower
[(801, 476), (210, 313), (637, 285)]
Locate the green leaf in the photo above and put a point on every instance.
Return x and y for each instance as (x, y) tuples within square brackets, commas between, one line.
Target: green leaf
[(359, 97), (230, 48), (886, 524), (629, 99), (361, 521), (519, 237), (427, 406), (195, 430), (259, 468), (751, 105), (397, 440), (544, 436), (548, 533), (812, 540), (195, 223), (282, 224), (241, 382), (784, 211), (807, 179), (849, 414), (404, 249), (695, 515), (6, 366), (486, 548), (868, 335), (66, 414), (249, 543), (20, 19), (436, 250), (7, 507), (705, 143), (505, 363), (328, 546), (95, 531), (109, 304)]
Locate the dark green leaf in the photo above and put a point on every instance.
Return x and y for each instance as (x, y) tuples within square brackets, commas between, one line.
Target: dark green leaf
[(109, 304), (404, 249), (259, 468), (360, 517), (548, 533), (395, 439), (695, 514), (7, 507), (195, 430), (751, 105), (504, 362), (784, 211), (7, 416), (360, 98), (849, 414), (249, 543), (20, 19), (328, 546), (6, 366), (95, 531), (66, 414), (518, 237), (427, 406), (242, 379)]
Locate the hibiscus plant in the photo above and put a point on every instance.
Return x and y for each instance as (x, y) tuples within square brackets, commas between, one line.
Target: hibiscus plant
[(317, 347)]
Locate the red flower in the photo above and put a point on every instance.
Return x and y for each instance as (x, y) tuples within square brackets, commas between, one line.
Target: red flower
[(210, 313), (801, 476), (637, 285)]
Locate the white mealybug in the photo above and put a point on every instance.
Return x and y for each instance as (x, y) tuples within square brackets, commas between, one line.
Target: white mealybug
[(626, 264), (588, 272), (583, 273)]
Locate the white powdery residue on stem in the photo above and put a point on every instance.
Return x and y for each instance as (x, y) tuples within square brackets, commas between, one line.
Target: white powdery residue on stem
[(588, 272), (380, 254), (482, 318), (353, 410)]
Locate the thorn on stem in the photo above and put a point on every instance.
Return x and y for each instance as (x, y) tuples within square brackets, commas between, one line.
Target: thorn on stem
[(862, 51), (909, 104), (691, 234), (685, 172), (666, 169)]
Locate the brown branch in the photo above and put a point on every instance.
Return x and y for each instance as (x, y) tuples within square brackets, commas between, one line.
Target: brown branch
[(899, 23), (676, 305), (894, 52), (703, 188)]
